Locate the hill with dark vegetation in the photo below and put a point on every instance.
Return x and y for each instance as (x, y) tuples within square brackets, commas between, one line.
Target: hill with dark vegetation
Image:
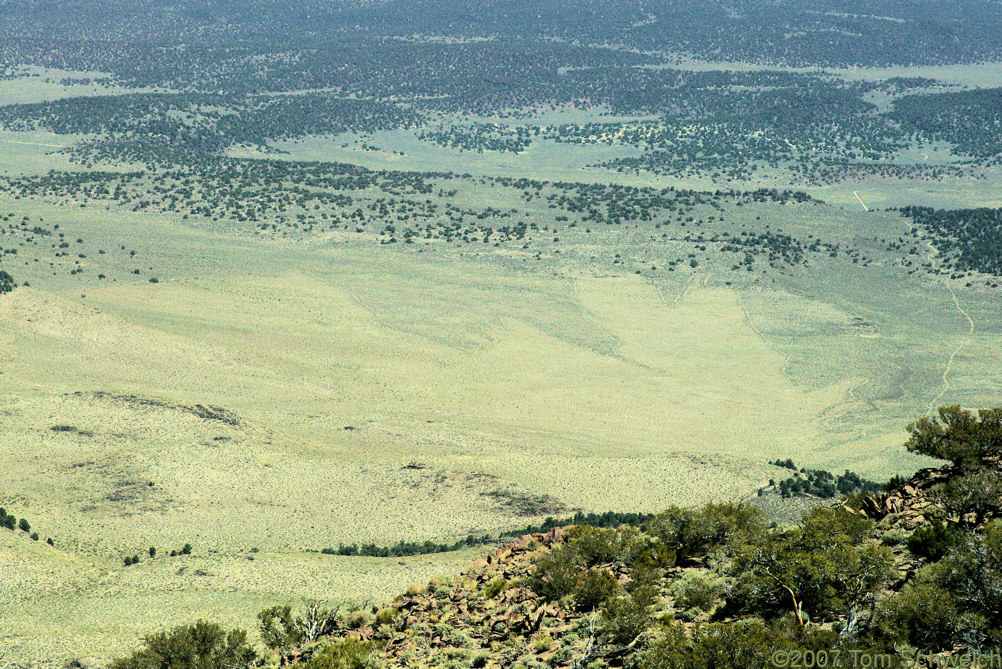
[(880, 575), (6, 282)]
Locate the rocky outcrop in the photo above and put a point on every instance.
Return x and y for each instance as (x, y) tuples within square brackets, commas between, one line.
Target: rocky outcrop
[(482, 606), (912, 502)]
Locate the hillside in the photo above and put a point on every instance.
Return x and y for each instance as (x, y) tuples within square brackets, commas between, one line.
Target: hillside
[(888, 575), (303, 302)]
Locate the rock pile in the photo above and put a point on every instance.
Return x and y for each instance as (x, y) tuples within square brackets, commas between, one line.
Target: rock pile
[(912, 501)]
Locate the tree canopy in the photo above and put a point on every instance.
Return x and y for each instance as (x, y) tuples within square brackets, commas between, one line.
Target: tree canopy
[(959, 435)]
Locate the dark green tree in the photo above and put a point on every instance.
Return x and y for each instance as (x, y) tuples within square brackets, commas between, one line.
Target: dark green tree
[(959, 435), (825, 568), (203, 645), (6, 282)]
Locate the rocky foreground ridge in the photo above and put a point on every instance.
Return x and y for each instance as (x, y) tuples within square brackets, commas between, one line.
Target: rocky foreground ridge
[(491, 616), (915, 569)]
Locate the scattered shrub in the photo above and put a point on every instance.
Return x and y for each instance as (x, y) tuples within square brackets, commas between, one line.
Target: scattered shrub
[(922, 615), (6, 282), (593, 587), (695, 591), (203, 645), (386, 615), (495, 588), (281, 630), (932, 541), (609, 519), (278, 628), (895, 537), (346, 653), (625, 617), (694, 533), (821, 483)]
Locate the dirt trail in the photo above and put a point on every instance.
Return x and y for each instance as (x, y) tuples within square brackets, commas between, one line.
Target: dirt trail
[(949, 364), (52, 146), (856, 195)]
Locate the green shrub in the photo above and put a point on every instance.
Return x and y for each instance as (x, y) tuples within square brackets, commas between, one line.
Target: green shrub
[(356, 618), (593, 587), (896, 482), (894, 537), (694, 533), (495, 588), (542, 642), (972, 573), (415, 589), (559, 575), (667, 649), (932, 541), (973, 497), (923, 615), (625, 617), (346, 653), (555, 575), (750, 645), (203, 645), (6, 282), (562, 656), (958, 435), (385, 616), (695, 591), (825, 567), (278, 628), (593, 546)]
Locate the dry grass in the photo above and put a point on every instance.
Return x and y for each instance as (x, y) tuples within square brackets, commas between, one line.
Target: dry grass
[(602, 392), (577, 408), (341, 364), (56, 606)]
